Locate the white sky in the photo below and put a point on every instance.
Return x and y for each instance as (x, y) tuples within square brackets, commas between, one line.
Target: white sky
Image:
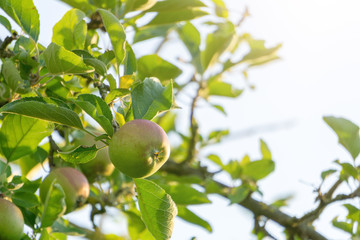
[(318, 75)]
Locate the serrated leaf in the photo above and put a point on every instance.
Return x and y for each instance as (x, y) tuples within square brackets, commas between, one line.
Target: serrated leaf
[(5, 22), (259, 169), (150, 98), (45, 109), (116, 33), (20, 135), (70, 31), (80, 154), (54, 205), (28, 17), (115, 93), (191, 217), (157, 209), (155, 66), (97, 109), (60, 61), (347, 132)]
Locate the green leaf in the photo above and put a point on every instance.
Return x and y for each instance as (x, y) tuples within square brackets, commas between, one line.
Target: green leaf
[(349, 170), (55, 88), (13, 78), (59, 61), (238, 194), (258, 169), (157, 209), (70, 31), (327, 173), (83, 5), (220, 8), (176, 16), (354, 212), (191, 217), (130, 62), (265, 151), (215, 159), (155, 66), (25, 199), (347, 132), (222, 89), (99, 66), (116, 33), (258, 51), (138, 5), (27, 16), (148, 32), (44, 108), (184, 194), (64, 226), (191, 38), (150, 98), (54, 205), (115, 93), (347, 227), (5, 22), (170, 5), (135, 225), (98, 110), (80, 154), (20, 135), (217, 43)]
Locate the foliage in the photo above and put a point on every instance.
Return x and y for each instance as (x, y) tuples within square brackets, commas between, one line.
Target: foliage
[(51, 95)]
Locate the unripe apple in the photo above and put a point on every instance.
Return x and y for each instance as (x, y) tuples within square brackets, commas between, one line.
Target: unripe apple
[(11, 221), (72, 181), (98, 166), (139, 148)]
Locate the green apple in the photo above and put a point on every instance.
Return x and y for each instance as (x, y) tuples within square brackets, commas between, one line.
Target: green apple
[(98, 166), (72, 181), (11, 221), (139, 148)]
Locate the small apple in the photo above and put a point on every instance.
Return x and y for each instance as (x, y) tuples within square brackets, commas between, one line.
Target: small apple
[(11, 221), (98, 166), (139, 148), (74, 184)]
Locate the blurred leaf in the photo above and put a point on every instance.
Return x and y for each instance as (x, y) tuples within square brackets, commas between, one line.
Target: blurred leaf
[(12, 77), (148, 32), (83, 5), (185, 194), (265, 151), (234, 168), (354, 212), (25, 199), (168, 17), (223, 89), (347, 227), (191, 217), (70, 31), (282, 202), (130, 62), (347, 132), (126, 81), (327, 173), (155, 66), (97, 109), (170, 5), (44, 108), (220, 8), (115, 93), (238, 194), (217, 135), (216, 159), (258, 51), (60, 61), (120, 119), (135, 225), (217, 43), (138, 5), (80, 154), (157, 209), (116, 33), (20, 135), (349, 170), (54, 205), (5, 22), (150, 98), (259, 169), (64, 226)]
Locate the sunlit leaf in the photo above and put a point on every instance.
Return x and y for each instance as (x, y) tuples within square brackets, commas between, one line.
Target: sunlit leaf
[(80, 155), (191, 217), (155, 66)]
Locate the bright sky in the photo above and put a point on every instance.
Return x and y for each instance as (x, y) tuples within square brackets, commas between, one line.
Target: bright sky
[(318, 75)]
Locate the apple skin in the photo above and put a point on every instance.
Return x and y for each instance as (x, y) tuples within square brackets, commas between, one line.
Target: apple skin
[(11, 221), (139, 148), (74, 184), (98, 166)]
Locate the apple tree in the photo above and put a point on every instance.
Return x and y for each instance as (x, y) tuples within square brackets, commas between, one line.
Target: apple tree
[(73, 109)]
